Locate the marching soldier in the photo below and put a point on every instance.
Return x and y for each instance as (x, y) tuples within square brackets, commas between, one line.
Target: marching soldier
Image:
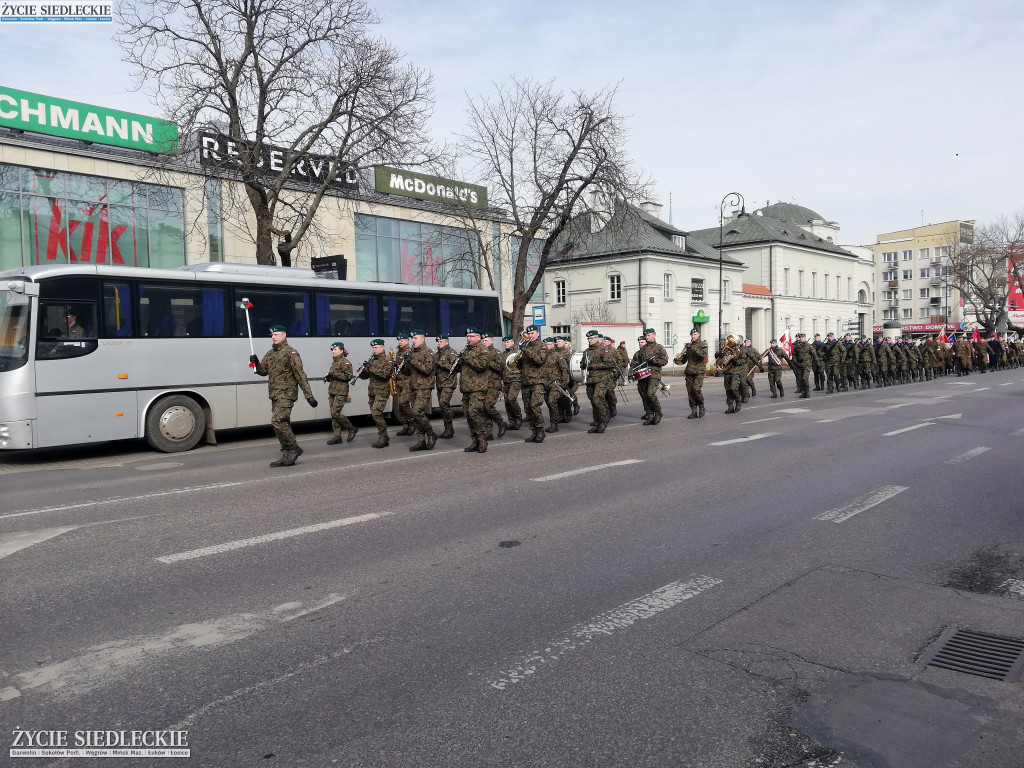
[(283, 368), (981, 352), (532, 368), (899, 361), (775, 355), (962, 350), (634, 362), (849, 362), (566, 407), (552, 373), (473, 381), (613, 376), (446, 379), (865, 362), (655, 356), (832, 356), (496, 366), (402, 374), (337, 380), (510, 386), (753, 359), (695, 354), (801, 362), (421, 387), (728, 361), (378, 371), (818, 362), (913, 360), (601, 367), (573, 385)]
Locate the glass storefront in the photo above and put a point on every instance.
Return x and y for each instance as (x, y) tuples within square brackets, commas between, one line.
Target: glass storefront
[(397, 251), (53, 217)]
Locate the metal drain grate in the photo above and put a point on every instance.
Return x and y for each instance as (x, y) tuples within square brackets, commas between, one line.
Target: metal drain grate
[(977, 653)]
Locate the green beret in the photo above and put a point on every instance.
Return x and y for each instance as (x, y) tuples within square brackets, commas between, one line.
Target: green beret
[(417, 332), (471, 329), (592, 334), (648, 330), (549, 338), (441, 336), (337, 345), (506, 338), (402, 335), (278, 329), (532, 328), (377, 343), (641, 338), (485, 335)]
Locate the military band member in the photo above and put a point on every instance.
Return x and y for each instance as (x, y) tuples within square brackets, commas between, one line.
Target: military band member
[(752, 359), (695, 355), (801, 364), (337, 380), (496, 366), (404, 395), (377, 372), (612, 398), (283, 367), (532, 364), (634, 362), (446, 380), (473, 381), (511, 386), (567, 405), (573, 385), (655, 356), (774, 358), (601, 366), (421, 389), (551, 396)]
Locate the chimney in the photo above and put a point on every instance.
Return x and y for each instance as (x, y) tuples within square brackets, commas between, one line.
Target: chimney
[(651, 208), (600, 210)]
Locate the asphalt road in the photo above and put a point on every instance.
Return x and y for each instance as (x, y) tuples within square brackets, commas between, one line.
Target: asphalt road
[(743, 590)]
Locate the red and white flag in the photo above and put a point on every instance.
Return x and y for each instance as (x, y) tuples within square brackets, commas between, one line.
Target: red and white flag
[(786, 342), (975, 336)]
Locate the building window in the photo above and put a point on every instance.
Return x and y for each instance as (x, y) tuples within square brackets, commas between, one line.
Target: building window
[(667, 287), (838, 284), (559, 291), (906, 293), (679, 240), (668, 337), (924, 292), (908, 255), (908, 313), (849, 288), (726, 291), (814, 285), (825, 286), (697, 290), (924, 272), (814, 326), (614, 287), (926, 312), (397, 251), (785, 281), (889, 256), (561, 330), (800, 283), (923, 253)]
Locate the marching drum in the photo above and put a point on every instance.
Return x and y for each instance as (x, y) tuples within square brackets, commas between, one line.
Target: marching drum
[(641, 373), (575, 371)]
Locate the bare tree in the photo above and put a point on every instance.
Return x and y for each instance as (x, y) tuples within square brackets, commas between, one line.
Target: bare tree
[(300, 80), (592, 312), (541, 151), (981, 269)]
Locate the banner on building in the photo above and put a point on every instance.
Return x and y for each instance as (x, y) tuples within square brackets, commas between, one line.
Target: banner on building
[(394, 181), (219, 151)]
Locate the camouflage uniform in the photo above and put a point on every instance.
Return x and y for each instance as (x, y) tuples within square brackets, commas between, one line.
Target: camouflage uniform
[(695, 353), (773, 361), (656, 355), (421, 389), (496, 365), (601, 368), (849, 364), (751, 359), (556, 369), (899, 361), (641, 389), (801, 362), (913, 360), (510, 388), (337, 393), (819, 363), (532, 367), (378, 372), (832, 354), (865, 363), (404, 397), (473, 383), (283, 367), (446, 387)]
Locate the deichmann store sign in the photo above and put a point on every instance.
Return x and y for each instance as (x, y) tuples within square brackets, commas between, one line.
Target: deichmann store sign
[(72, 120), (393, 181)]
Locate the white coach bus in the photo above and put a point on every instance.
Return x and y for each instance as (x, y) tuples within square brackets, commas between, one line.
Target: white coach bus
[(92, 353)]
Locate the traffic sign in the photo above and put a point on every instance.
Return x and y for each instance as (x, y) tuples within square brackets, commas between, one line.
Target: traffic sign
[(540, 315)]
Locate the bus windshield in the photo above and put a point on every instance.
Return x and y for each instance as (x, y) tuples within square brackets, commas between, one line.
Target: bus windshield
[(14, 314)]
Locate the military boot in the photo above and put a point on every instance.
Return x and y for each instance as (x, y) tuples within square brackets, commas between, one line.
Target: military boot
[(731, 408), (613, 411), (335, 440), (502, 429), (600, 427), (481, 446), (431, 439), (782, 392), (352, 433), (449, 431), (700, 411), (739, 404), (382, 441), (693, 414), (575, 408), (657, 419), (538, 435), (597, 428), (282, 462), (553, 428), (405, 430), (421, 445), (753, 390), (473, 447), (775, 393)]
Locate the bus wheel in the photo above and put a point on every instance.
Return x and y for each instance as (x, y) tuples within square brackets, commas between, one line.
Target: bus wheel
[(175, 423)]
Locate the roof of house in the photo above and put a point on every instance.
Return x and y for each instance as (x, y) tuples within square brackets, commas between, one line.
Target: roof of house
[(629, 230), (748, 229), (756, 290), (790, 213)]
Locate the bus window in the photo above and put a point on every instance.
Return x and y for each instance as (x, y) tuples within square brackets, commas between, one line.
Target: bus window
[(291, 309), (66, 330), (117, 310), (459, 313), (180, 310), (403, 312), (346, 315), (13, 330)]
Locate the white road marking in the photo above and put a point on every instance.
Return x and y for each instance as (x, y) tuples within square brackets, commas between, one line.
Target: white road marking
[(968, 455), (825, 421), (118, 499), (979, 389), (331, 599), (1014, 586), (584, 470), (12, 542), (8, 693), (1007, 384), (907, 429), (793, 410), (229, 546), (756, 421), (898, 405), (743, 439), (1018, 433), (606, 623), (861, 503), (951, 416)]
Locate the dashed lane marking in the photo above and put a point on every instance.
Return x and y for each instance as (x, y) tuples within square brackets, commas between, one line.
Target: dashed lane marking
[(968, 455), (793, 410), (118, 499), (979, 389), (584, 470), (743, 439), (1017, 433), (908, 429), (623, 617), (951, 416), (229, 546), (861, 503), (757, 421)]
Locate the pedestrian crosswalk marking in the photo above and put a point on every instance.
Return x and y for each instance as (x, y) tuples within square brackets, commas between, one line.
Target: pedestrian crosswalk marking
[(861, 503)]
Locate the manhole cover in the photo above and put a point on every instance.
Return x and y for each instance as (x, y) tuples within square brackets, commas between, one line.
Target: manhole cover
[(977, 653), (154, 467)]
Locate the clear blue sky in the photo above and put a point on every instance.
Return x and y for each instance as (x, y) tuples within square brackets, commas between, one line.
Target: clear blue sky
[(867, 112)]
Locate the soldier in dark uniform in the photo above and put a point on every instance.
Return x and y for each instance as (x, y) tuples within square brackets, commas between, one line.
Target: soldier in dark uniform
[(981, 352), (634, 362), (377, 372), (900, 361), (849, 362), (283, 367), (913, 360), (655, 356), (511, 386), (831, 356), (818, 363), (496, 366), (401, 374), (695, 355), (601, 367), (446, 383), (566, 405), (774, 358), (753, 359), (552, 373), (801, 364), (337, 380), (421, 389), (613, 376), (865, 362), (532, 371), (473, 381)]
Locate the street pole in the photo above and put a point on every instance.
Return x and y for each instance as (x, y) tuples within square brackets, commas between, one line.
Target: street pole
[(737, 199)]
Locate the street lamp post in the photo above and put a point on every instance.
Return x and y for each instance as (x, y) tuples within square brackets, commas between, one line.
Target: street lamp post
[(735, 198)]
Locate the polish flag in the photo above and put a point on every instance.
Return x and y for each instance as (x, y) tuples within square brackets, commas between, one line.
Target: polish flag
[(786, 343), (942, 337), (975, 336)]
